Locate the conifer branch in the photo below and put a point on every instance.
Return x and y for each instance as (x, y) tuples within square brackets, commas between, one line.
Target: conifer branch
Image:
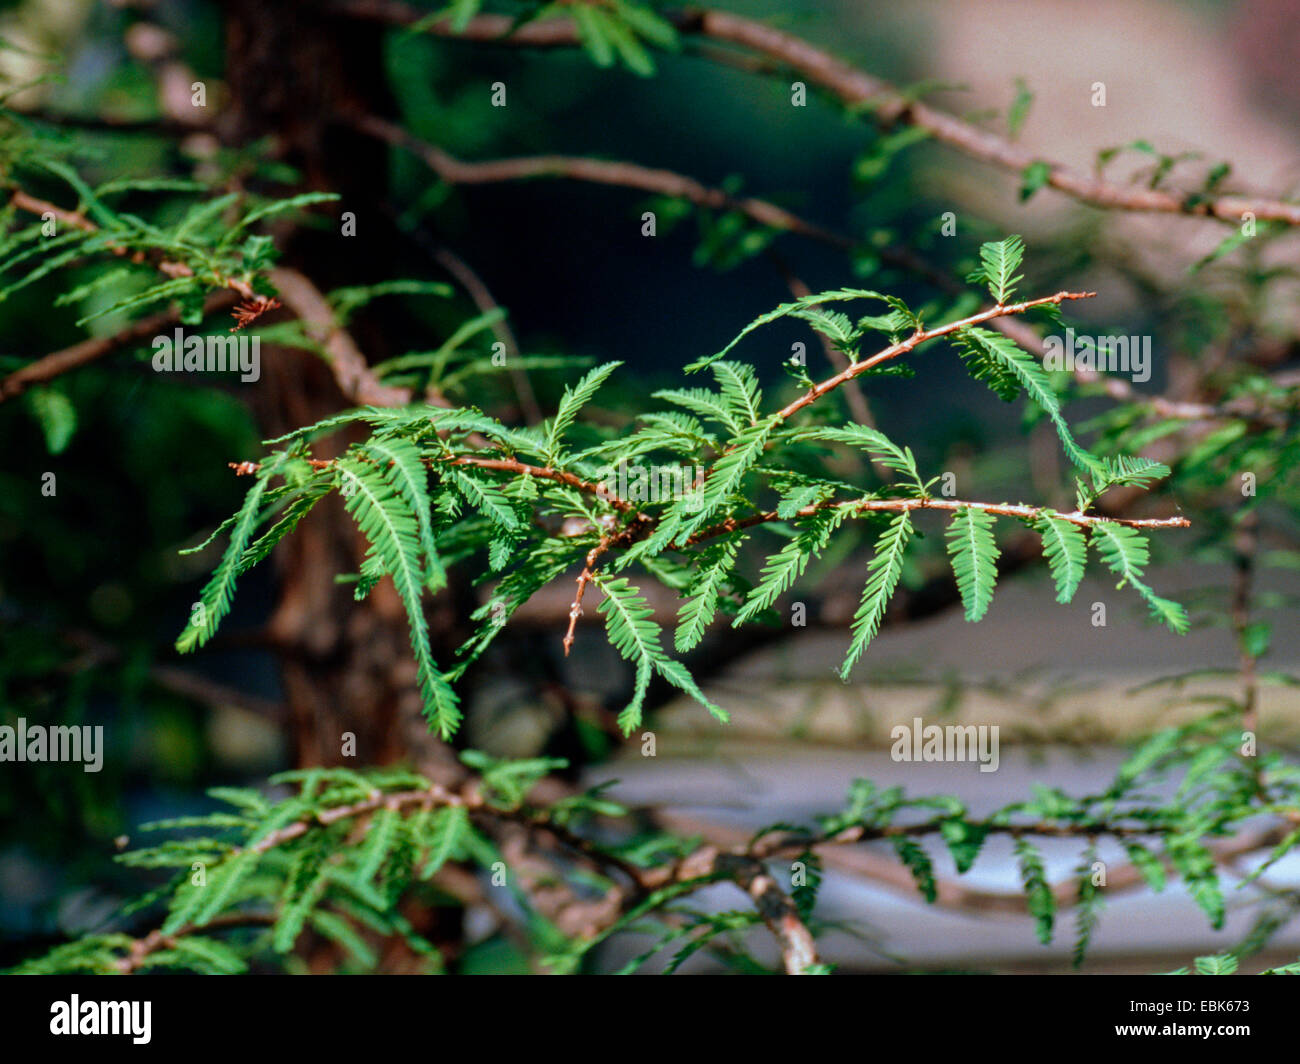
[(856, 399), (1019, 510), (156, 941), (584, 578), (915, 340), (507, 465), (559, 476), (344, 856), (355, 378), (168, 267), (950, 893), (672, 184), (854, 88), (57, 363), (599, 171)]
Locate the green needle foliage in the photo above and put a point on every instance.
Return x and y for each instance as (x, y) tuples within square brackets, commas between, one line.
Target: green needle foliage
[(1066, 552), (883, 572), (999, 262), (385, 519), (432, 486), (752, 487), (337, 853), (974, 554), (425, 478)]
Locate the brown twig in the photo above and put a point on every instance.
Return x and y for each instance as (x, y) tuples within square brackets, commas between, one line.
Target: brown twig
[(600, 171), (96, 347), (669, 183), (141, 949), (508, 465), (731, 856), (950, 894), (892, 352), (560, 476), (355, 378), (1020, 510), (798, 947), (435, 794), (918, 338), (584, 578), (856, 89), (856, 399), (167, 267)]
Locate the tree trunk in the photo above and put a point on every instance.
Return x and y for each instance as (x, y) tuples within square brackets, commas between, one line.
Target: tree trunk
[(347, 666)]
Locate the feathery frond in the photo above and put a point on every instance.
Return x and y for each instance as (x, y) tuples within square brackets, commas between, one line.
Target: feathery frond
[(574, 399), (997, 360), (838, 295), (1066, 551), (214, 601), (974, 553), (883, 572), (393, 533), (697, 612), (634, 634), (1125, 552), (785, 566), (999, 261), (877, 444)]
